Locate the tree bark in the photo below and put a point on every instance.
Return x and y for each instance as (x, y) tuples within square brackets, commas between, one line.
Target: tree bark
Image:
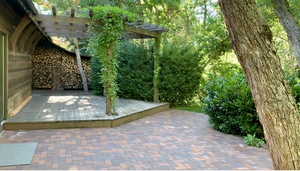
[(78, 58), (276, 107), (205, 13), (290, 25)]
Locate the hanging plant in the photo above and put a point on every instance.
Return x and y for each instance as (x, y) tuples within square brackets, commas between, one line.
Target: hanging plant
[(107, 27)]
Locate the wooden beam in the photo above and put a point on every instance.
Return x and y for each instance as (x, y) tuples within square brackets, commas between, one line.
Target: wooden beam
[(26, 36), (143, 32), (156, 70), (36, 35), (65, 26), (33, 18), (72, 13), (61, 19), (91, 13), (6, 56), (57, 28), (70, 35), (25, 21), (63, 31), (54, 11), (34, 44), (85, 21), (79, 64), (3, 76)]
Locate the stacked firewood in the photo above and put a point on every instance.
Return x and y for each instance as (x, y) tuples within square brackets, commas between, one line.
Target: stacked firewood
[(54, 68)]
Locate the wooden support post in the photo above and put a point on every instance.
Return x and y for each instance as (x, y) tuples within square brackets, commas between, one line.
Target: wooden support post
[(53, 11), (72, 13), (156, 69), (110, 101), (2, 79), (91, 13), (3, 76), (6, 51), (82, 74)]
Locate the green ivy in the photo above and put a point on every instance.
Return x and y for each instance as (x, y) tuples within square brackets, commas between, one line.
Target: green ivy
[(107, 27)]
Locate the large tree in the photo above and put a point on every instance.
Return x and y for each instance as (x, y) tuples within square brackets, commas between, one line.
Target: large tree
[(277, 110), (290, 25)]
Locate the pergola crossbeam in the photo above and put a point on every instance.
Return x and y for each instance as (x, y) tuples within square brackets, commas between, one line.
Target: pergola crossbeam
[(69, 35), (71, 23)]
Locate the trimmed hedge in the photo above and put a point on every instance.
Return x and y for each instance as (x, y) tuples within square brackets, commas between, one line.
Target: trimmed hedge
[(135, 73), (181, 70), (135, 77), (179, 78)]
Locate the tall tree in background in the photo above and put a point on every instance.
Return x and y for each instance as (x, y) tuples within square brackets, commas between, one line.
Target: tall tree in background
[(290, 25), (278, 112)]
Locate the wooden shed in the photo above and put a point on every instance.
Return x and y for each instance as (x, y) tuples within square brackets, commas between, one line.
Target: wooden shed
[(19, 35), (23, 44)]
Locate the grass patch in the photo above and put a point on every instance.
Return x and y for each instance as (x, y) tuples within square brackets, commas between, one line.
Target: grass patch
[(191, 108)]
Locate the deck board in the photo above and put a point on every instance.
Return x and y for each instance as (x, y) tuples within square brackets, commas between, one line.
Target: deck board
[(76, 106)]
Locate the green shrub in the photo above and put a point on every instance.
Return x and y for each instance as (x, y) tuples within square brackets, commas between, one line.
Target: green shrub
[(96, 76), (252, 140), (229, 102), (179, 78), (181, 70), (294, 81), (135, 72)]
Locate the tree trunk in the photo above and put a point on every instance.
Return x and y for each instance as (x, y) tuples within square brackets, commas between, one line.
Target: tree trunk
[(205, 13), (276, 107), (290, 25), (78, 58)]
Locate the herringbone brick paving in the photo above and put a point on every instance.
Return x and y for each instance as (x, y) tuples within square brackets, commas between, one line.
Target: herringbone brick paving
[(169, 140)]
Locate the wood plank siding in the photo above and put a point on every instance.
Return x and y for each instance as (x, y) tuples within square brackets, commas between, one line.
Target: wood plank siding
[(19, 29)]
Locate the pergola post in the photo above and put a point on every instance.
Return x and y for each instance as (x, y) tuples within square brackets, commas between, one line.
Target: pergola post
[(108, 84), (80, 67), (156, 69)]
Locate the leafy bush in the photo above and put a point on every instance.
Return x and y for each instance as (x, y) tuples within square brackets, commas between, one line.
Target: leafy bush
[(179, 75), (252, 140), (96, 76), (181, 69), (294, 81), (229, 102), (135, 72)]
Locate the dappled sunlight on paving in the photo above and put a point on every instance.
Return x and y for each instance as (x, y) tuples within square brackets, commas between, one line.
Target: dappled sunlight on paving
[(74, 106), (168, 140)]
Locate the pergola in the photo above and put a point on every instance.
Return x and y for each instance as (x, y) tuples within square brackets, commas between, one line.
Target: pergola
[(77, 27)]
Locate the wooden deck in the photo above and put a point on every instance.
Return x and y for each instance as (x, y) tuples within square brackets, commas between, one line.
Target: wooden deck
[(76, 109)]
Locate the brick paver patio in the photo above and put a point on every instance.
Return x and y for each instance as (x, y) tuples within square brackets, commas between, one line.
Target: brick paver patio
[(168, 140)]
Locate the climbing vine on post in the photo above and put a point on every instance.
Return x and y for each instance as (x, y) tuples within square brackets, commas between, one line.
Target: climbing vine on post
[(107, 27)]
